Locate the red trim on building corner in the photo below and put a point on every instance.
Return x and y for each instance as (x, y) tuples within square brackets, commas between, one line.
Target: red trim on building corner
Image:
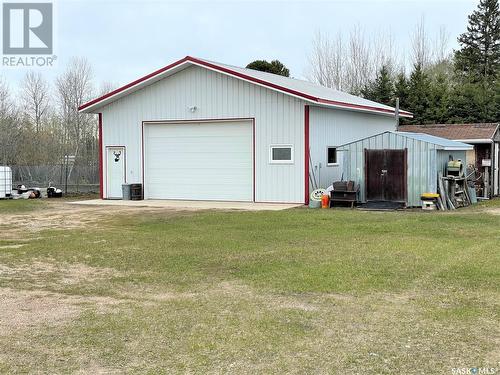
[(142, 161), (101, 179), (306, 154), (242, 76), (253, 131)]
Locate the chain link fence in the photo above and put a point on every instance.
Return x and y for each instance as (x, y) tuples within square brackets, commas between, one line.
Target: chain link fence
[(69, 178)]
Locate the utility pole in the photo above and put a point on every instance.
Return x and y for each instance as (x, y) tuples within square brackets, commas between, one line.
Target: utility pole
[(397, 113)]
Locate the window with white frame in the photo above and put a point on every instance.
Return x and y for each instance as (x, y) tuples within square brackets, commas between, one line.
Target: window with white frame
[(331, 156), (281, 154)]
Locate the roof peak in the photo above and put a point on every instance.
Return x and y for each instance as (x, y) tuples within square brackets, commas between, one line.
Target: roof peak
[(305, 90)]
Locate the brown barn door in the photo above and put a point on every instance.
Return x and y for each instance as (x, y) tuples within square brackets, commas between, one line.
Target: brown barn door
[(374, 166), (385, 175)]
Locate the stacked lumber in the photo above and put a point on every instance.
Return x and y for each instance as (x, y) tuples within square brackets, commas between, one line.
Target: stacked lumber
[(453, 192)]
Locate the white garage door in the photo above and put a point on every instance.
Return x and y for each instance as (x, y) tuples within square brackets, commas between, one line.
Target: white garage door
[(199, 161)]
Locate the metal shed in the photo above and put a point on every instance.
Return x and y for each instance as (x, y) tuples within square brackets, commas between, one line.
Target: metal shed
[(484, 137), (399, 166)]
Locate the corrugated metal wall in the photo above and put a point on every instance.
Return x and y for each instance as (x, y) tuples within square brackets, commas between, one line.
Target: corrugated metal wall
[(279, 119), (424, 161), (331, 127), (443, 157)]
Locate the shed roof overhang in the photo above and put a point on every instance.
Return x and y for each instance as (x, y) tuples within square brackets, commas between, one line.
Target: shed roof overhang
[(475, 141), (440, 143)]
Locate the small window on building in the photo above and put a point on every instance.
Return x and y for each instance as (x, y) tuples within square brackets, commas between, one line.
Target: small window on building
[(331, 157), (281, 154)]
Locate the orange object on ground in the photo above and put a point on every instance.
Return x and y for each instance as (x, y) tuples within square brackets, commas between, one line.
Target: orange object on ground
[(325, 201)]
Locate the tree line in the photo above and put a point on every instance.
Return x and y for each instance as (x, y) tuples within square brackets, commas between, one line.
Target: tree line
[(41, 124), (441, 87)]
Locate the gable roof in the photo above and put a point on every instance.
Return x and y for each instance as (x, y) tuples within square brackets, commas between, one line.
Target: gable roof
[(305, 90), (471, 133), (442, 143)]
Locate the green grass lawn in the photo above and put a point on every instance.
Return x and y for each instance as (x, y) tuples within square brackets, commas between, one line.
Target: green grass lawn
[(296, 291), (10, 206)]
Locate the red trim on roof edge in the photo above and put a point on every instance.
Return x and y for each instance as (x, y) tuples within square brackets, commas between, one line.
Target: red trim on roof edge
[(253, 79), (242, 76), (358, 106), (129, 85)]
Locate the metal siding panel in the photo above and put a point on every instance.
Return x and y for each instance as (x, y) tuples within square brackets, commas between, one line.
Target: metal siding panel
[(278, 119), (335, 127)]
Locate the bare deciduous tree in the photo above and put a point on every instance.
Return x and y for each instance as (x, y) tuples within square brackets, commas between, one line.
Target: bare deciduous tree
[(10, 132), (359, 68), (5, 102), (349, 64), (35, 98), (441, 45), (384, 53), (107, 87), (327, 61), (74, 88), (60, 129), (420, 45)]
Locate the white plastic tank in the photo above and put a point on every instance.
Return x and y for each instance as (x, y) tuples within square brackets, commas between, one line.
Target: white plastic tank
[(5, 182)]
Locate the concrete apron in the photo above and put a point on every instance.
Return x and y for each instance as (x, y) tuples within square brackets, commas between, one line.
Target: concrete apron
[(189, 205)]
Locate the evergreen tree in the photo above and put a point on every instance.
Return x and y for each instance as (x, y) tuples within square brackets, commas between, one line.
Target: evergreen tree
[(479, 56), (401, 91), (275, 67), (440, 99), (382, 89), (419, 95), (465, 107)]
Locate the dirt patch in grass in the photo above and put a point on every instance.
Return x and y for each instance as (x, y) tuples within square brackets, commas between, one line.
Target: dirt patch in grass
[(15, 246), (25, 310), (21, 310), (62, 215), (43, 273), (493, 211)]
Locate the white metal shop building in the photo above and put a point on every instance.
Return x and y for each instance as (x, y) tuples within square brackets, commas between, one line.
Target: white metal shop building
[(201, 130)]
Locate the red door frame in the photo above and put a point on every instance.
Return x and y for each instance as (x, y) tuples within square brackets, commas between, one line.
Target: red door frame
[(124, 164)]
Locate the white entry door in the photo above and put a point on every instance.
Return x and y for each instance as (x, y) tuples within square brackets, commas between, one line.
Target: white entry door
[(199, 161), (115, 171)]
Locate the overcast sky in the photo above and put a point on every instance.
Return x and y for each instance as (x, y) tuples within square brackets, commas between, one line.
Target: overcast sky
[(125, 39)]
